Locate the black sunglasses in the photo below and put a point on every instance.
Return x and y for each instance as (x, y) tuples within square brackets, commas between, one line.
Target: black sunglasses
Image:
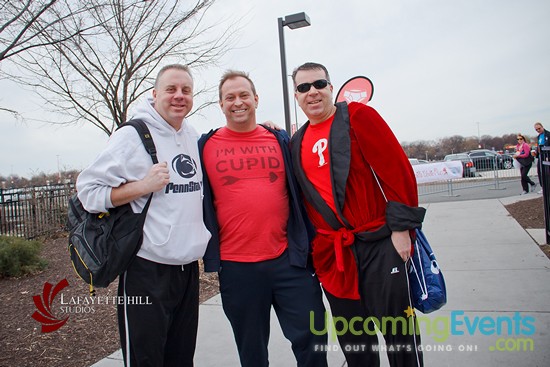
[(318, 84)]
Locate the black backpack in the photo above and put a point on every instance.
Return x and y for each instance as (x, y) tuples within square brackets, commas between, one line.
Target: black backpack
[(102, 245)]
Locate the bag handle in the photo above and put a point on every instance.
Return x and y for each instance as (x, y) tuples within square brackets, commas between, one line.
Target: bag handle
[(418, 273), (379, 185)]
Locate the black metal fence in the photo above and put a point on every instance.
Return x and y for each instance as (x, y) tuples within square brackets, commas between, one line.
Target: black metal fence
[(34, 211)]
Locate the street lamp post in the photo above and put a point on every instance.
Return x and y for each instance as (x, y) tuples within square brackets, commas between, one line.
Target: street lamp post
[(293, 21)]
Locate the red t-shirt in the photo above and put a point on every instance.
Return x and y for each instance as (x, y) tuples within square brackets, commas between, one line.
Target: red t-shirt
[(248, 180), (316, 159)]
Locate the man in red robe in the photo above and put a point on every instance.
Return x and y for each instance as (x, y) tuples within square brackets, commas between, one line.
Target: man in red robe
[(361, 195)]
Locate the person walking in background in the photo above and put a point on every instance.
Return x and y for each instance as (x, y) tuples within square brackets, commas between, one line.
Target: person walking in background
[(165, 270), (361, 195), (543, 140), (260, 243), (525, 159)]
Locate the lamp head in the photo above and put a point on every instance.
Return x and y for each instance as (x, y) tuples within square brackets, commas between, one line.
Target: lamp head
[(298, 20)]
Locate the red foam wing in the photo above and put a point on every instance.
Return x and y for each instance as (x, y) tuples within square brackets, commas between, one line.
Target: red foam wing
[(357, 89)]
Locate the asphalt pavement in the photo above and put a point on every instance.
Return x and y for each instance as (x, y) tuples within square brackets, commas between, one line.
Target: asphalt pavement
[(498, 284)]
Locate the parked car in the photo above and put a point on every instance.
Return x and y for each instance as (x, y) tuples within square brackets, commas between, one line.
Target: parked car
[(415, 161), (485, 159), (508, 160), (468, 167)]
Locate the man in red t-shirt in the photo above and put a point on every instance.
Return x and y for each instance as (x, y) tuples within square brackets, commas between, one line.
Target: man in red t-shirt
[(260, 242), (363, 241)]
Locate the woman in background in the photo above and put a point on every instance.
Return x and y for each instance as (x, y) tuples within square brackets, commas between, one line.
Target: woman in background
[(525, 159)]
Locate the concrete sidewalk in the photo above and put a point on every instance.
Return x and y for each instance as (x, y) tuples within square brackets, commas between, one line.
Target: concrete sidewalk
[(498, 284)]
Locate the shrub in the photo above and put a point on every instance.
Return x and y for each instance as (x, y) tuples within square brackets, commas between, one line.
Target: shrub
[(19, 257)]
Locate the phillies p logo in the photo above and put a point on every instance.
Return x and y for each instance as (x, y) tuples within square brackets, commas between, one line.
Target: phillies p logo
[(319, 147)]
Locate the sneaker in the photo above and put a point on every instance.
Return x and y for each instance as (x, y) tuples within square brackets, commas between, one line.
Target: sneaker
[(539, 192), (533, 187), (523, 193)]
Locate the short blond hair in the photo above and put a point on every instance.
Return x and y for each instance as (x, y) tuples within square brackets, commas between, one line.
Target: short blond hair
[(170, 67)]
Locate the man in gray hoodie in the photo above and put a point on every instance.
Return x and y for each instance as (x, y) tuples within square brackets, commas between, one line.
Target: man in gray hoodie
[(163, 331)]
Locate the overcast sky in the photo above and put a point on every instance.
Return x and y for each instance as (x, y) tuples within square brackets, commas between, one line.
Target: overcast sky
[(439, 68)]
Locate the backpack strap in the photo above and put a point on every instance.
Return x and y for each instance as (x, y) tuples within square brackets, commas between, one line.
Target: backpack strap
[(145, 135), (148, 143)]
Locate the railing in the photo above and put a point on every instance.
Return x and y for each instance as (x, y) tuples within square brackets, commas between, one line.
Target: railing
[(33, 211), (491, 175)]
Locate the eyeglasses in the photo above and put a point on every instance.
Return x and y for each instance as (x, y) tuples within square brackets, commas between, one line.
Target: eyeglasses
[(318, 84), (520, 138)]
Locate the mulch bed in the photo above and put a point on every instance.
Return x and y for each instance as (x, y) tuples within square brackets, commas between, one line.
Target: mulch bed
[(530, 214), (91, 332)]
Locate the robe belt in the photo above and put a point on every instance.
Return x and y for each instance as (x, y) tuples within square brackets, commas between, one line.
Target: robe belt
[(344, 237)]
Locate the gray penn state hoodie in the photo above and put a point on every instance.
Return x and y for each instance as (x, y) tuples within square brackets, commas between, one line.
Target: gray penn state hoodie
[(174, 231)]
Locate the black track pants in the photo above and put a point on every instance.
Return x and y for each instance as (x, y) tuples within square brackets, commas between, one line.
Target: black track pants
[(357, 345), (384, 290), (164, 332)]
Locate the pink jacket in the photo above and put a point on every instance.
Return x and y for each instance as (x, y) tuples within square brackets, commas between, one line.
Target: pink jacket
[(524, 150)]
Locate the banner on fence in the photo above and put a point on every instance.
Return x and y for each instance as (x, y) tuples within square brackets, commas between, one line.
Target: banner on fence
[(438, 171)]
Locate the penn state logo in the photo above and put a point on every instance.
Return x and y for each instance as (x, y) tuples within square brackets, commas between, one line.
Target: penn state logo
[(184, 165)]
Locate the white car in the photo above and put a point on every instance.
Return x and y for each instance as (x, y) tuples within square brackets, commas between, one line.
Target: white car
[(414, 161)]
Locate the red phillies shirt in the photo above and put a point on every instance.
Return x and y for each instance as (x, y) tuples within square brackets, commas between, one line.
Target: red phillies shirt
[(248, 180), (316, 159)]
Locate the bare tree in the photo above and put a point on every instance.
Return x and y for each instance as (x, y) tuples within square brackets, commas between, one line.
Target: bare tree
[(14, 113), (22, 24), (420, 149), (96, 75), (458, 144)]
